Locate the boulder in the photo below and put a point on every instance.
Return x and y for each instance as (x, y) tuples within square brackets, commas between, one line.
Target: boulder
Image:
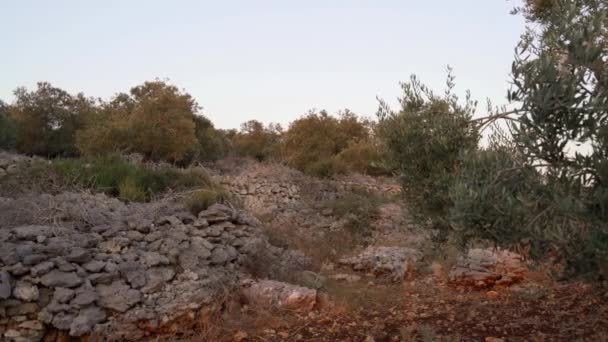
[(26, 291), (486, 267), (271, 293), (394, 262)]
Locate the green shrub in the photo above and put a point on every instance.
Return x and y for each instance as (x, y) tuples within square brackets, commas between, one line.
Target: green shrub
[(494, 197), (128, 190), (545, 191), (110, 174), (360, 208), (424, 141), (201, 200), (213, 144)]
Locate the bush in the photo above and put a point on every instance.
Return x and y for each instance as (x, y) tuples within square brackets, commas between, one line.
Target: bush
[(212, 143), (155, 119), (424, 142), (494, 197), (117, 177), (201, 200), (365, 157), (257, 141), (8, 129), (547, 193), (326, 167), (360, 208), (48, 118), (312, 143), (128, 190)]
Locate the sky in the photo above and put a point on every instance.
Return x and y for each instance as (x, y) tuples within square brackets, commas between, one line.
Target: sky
[(270, 60)]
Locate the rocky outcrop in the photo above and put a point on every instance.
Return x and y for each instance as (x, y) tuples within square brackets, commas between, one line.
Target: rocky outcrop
[(275, 294), (486, 267), (91, 265), (393, 262)]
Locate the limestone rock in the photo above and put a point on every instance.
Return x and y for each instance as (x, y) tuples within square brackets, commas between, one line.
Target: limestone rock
[(395, 262), (26, 291), (271, 293), (63, 295), (42, 268), (84, 296), (57, 278), (117, 296), (86, 320), (486, 267), (94, 266)]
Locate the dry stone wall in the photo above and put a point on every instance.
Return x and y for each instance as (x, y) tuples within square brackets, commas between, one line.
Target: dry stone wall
[(92, 265)]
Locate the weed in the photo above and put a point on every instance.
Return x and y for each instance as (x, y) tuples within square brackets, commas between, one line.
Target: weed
[(111, 175), (128, 190), (203, 199)]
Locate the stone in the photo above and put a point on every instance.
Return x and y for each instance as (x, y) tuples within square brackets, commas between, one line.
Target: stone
[(57, 246), (86, 320), (153, 236), (219, 256), (33, 259), (42, 268), (349, 278), (32, 232), (168, 220), (135, 235), (395, 262), (63, 295), (63, 265), (22, 309), (26, 291), (200, 223), (486, 267), (113, 246), (55, 307), (151, 259), (215, 213), (32, 325), (79, 255), (62, 320), (5, 285), (12, 334), (18, 269), (57, 278), (45, 316), (103, 278), (117, 296), (157, 278), (275, 294), (133, 273), (84, 296), (94, 266), (327, 212)]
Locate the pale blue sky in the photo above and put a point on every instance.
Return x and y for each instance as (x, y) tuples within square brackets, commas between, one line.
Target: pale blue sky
[(271, 60)]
